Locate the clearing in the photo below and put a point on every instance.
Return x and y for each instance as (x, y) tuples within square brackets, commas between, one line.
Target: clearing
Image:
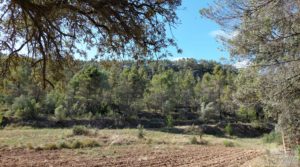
[(28, 147)]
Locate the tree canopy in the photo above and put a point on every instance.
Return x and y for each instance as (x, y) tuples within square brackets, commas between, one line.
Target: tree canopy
[(54, 31), (265, 33)]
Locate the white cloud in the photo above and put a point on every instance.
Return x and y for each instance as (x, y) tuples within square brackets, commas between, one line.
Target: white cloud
[(242, 64), (221, 33)]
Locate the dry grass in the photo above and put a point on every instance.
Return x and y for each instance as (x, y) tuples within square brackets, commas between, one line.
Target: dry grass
[(110, 140)]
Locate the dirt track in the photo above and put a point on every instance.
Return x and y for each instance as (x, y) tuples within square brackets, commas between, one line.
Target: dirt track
[(188, 156)]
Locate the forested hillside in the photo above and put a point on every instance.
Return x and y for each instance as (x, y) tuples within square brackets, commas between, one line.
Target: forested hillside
[(90, 90)]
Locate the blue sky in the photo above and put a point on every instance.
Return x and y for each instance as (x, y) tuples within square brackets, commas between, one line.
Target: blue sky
[(195, 34)]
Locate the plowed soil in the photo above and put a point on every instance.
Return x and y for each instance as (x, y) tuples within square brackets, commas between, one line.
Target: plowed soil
[(186, 156)]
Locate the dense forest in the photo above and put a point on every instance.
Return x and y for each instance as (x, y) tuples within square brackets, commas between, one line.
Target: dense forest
[(208, 90)]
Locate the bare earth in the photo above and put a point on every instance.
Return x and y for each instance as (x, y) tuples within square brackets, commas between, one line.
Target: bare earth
[(187, 156)]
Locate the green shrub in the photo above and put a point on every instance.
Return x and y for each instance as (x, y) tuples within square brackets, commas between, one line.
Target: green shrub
[(80, 130), (272, 137), (228, 143), (141, 133), (83, 144), (76, 144), (60, 112), (90, 143), (25, 107), (169, 121), (62, 145), (50, 146), (194, 140), (228, 130)]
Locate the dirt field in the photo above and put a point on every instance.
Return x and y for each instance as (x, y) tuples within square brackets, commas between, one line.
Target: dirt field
[(187, 156)]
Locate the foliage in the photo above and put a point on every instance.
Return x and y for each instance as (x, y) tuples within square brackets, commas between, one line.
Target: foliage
[(228, 130), (160, 94), (83, 144), (208, 111), (141, 133), (50, 146), (265, 38), (124, 89), (169, 121), (135, 28), (194, 140), (25, 108), (86, 92), (228, 143), (246, 114), (60, 113), (80, 130), (272, 137), (53, 100)]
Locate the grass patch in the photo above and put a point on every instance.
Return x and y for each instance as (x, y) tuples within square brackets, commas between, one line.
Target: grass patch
[(80, 130), (75, 144), (227, 143), (272, 137), (194, 141), (50, 146), (228, 130), (141, 133)]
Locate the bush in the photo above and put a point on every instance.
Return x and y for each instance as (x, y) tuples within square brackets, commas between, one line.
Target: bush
[(272, 137), (62, 145), (25, 108), (228, 143), (90, 143), (140, 131), (60, 113), (169, 121), (80, 130), (194, 140), (83, 144), (50, 146), (228, 130)]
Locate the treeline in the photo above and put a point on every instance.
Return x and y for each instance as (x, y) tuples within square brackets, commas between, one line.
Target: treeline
[(91, 90)]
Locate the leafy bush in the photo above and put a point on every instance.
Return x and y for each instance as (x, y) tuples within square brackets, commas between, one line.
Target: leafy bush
[(60, 112), (228, 143), (80, 130), (63, 144), (141, 133), (169, 121), (52, 101), (272, 137), (228, 130), (25, 108), (90, 143), (246, 114)]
